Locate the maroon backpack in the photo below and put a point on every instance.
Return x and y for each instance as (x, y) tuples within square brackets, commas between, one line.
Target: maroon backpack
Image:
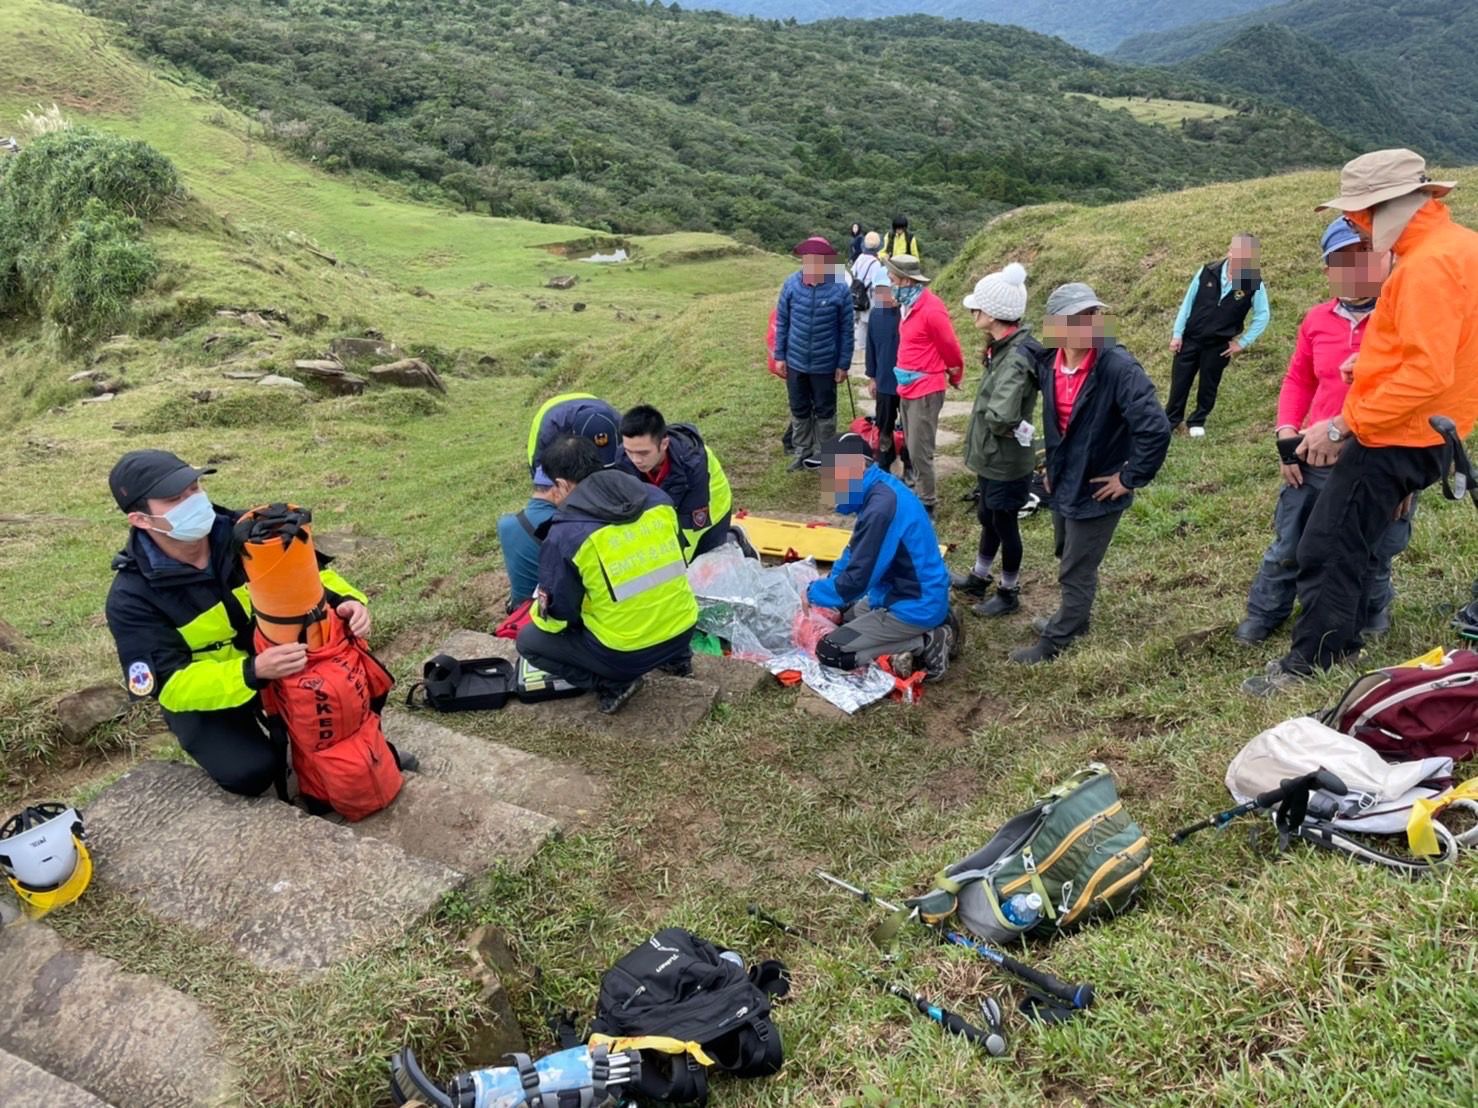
[(1410, 712)]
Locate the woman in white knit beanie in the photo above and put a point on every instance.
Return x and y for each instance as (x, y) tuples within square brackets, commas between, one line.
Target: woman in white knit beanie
[(998, 443)]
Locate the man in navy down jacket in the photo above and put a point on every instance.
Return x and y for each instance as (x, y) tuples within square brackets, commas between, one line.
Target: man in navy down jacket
[(813, 346)]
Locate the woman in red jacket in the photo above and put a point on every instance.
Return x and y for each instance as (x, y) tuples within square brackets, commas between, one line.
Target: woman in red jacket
[(929, 356)]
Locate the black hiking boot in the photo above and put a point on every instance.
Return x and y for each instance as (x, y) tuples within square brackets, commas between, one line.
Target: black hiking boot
[(973, 586), (1035, 655), (678, 669), (957, 633), (1003, 603), (797, 465), (936, 653), (813, 462), (1252, 632), (614, 698)]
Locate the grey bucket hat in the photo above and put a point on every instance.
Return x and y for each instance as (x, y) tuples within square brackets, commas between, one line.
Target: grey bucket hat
[(1073, 299)]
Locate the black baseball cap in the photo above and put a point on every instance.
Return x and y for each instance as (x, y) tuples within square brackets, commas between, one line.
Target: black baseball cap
[(849, 444), (140, 474)]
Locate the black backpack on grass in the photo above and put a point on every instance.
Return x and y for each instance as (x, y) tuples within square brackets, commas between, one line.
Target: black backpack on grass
[(677, 986)]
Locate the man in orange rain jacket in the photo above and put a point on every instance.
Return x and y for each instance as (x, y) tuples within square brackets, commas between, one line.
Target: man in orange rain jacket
[(1419, 359)]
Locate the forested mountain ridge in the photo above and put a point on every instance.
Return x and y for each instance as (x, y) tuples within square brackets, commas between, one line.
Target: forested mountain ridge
[(1092, 24), (1417, 53), (639, 119)]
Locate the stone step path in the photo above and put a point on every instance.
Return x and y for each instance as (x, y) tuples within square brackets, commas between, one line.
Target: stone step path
[(122, 1038), (289, 891), (24, 1084)]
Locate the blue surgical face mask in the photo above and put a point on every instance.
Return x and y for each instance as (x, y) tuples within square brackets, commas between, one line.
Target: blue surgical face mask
[(189, 520), (907, 294)]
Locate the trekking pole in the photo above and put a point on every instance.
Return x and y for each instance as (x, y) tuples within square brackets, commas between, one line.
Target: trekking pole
[(1463, 482), (1074, 996), (1319, 779), (852, 400), (993, 1039)]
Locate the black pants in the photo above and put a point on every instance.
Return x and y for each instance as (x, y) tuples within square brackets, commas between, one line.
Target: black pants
[(232, 745), (1000, 526), (1193, 359), (589, 665), (1335, 555), (886, 412)]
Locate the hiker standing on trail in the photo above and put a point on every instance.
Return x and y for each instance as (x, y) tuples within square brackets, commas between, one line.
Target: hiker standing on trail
[(1314, 389), (890, 584), (998, 441), (1212, 328), (613, 601), (882, 358), (857, 244), (1418, 359), (674, 458), (865, 267), (1106, 436), (181, 619), (929, 355), (813, 347), (899, 241)]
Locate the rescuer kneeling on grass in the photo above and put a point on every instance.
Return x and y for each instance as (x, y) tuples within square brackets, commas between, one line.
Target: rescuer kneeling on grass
[(674, 458), (181, 618), (613, 601)]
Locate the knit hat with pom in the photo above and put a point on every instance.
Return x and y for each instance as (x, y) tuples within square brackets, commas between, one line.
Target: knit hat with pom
[(1002, 296)]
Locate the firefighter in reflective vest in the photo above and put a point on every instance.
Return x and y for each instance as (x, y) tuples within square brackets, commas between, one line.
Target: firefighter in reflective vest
[(675, 459), (574, 413), (181, 619), (613, 601)]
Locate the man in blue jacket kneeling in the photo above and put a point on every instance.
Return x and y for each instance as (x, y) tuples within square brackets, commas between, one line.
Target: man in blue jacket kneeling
[(890, 584)]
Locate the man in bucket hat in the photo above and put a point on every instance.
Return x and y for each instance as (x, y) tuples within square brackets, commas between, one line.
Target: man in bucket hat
[(1419, 358), (813, 347)]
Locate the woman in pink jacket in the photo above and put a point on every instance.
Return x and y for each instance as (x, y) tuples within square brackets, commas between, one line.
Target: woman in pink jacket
[(929, 357), (1314, 389)]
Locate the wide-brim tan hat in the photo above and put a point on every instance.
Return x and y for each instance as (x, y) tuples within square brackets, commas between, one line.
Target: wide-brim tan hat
[(1383, 175), (906, 265)]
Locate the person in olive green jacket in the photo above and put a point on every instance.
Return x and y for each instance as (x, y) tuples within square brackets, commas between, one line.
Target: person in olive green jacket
[(998, 443)]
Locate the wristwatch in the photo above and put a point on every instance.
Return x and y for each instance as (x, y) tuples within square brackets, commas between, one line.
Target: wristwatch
[(1335, 434)]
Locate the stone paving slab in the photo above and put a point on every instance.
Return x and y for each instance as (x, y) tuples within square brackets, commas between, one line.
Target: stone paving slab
[(122, 1037), (22, 1084), (664, 711), (289, 891), (563, 792), (460, 827)]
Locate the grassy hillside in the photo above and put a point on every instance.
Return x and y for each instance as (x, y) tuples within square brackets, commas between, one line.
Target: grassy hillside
[(1240, 979), (642, 118), (1092, 24), (1413, 53)]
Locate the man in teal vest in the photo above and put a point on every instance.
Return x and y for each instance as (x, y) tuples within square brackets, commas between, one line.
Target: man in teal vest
[(613, 601)]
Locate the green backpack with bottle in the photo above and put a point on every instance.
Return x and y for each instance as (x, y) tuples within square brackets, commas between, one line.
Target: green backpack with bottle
[(1075, 848)]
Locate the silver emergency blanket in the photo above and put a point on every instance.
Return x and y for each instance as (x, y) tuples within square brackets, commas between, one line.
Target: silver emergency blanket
[(757, 609), (848, 691)]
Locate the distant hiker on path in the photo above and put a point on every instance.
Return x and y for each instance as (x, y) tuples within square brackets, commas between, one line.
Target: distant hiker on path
[(1314, 389), (899, 241), (813, 347), (1106, 437), (1418, 359), (1212, 328), (998, 441), (613, 601), (865, 267), (674, 458), (882, 384), (890, 584), (929, 357), (857, 235), (182, 621)]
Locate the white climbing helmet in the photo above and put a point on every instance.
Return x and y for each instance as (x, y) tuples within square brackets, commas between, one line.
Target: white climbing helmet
[(44, 857)]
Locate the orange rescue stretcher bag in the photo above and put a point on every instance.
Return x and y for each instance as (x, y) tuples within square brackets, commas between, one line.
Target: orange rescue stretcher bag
[(330, 711)]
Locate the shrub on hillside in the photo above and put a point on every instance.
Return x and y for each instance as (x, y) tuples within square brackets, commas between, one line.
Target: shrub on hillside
[(72, 206)]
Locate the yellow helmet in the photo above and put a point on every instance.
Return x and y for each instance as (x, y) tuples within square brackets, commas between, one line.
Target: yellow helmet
[(44, 857)]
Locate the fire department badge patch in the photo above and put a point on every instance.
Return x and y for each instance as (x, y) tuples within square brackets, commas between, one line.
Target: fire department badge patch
[(140, 679), (700, 517)]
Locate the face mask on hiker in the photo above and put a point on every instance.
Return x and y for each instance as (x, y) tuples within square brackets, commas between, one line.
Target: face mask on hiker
[(907, 295), (188, 521)]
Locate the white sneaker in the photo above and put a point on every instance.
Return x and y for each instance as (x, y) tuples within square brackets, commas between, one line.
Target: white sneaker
[(1198, 432)]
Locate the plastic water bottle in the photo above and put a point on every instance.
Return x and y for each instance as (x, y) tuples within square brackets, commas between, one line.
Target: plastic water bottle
[(731, 956), (1023, 909)]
